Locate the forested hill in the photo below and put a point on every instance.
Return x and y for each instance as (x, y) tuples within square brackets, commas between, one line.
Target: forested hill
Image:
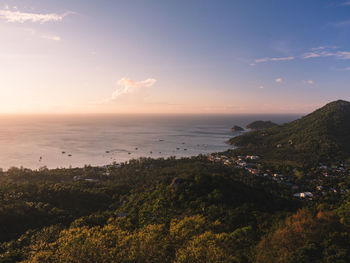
[(322, 136), (144, 211), (261, 125), (167, 211)]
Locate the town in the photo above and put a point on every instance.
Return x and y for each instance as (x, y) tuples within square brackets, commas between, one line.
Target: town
[(311, 184)]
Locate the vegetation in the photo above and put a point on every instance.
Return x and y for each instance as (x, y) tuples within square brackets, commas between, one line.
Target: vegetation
[(199, 209), (187, 210), (261, 125), (236, 128), (322, 136)]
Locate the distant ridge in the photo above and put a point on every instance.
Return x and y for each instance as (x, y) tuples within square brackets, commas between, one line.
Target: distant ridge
[(321, 136)]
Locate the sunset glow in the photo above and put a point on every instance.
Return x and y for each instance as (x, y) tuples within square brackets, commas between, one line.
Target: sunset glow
[(162, 57)]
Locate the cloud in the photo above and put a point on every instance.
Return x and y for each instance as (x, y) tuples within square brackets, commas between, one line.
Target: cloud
[(261, 87), (278, 80), (323, 48), (326, 53), (309, 81), (51, 37), (22, 17), (310, 55), (267, 59), (346, 3), (342, 54), (340, 23), (316, 52), (129, 86)]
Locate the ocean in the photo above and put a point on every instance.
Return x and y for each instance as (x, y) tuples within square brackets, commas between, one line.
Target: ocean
[(75, 141)]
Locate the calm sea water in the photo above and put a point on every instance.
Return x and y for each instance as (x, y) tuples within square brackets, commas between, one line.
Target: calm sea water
[(33, 141)]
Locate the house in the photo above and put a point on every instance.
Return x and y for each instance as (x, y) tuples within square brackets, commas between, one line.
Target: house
[(77, 178), (253, 171), (227, 162), (252, 157), (91, 180), (303, 194), (242, 164)]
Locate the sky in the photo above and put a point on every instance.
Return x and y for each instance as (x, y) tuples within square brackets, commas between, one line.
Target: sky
[(176, 57)]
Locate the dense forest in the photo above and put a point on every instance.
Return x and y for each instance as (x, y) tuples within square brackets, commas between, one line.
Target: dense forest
[(148, 210), (261, 125)]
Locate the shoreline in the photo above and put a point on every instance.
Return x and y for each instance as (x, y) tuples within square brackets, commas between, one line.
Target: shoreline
[(103, 166)]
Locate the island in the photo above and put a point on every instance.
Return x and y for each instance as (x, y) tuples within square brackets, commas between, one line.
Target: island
[(236, 128), (283, 195), (261, 125)]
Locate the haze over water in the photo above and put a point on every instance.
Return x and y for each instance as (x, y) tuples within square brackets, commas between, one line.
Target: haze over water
[(100, 140)]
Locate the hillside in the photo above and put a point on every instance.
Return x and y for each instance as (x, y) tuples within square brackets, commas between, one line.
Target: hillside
[(147, 202), (322, 136), (261, 125), (166, 211)]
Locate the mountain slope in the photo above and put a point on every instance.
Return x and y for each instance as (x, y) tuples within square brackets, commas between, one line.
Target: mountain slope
[(322, 136), (261, 125)]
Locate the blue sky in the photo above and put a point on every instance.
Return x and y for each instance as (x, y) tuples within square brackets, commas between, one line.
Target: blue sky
[(163, 56)]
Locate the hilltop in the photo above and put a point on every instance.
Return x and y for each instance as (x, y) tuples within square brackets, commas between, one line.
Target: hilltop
[(236, 128), (321, 136)]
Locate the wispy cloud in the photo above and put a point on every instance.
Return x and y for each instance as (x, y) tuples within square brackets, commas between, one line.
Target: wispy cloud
[(316, 52), (22, 17), (51, 37), (279, 80), (323, 48), (346, 3), (341, 54), (261, 87), (344, 23), (46, 36), (268, 59), (326, 53), (309, 81), (129, 86)]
